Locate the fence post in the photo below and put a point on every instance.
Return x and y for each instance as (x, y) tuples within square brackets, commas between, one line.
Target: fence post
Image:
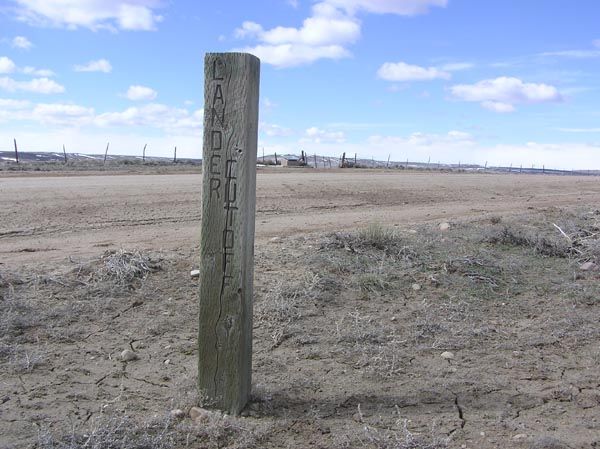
[(144, 153), (106, 152), (16, 151), (231, 90), (175, 155), (65, 153)]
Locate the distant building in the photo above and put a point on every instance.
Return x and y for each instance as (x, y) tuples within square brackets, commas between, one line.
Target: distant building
[(290, 161)]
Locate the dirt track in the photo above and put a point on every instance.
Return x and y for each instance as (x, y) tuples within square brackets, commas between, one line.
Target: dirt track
[(50, 218)]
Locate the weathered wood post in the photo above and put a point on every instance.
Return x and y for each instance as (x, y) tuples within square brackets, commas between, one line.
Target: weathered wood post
[(231, 88), (65, 153), (16, 152), (106, 152), (144, 153), (175, 155)]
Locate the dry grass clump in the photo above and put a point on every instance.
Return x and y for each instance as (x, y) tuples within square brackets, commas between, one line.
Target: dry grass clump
[(378, 236), (123, 432), (401, 438), (124, 267), (545, 246), (374, 237), (288, 301), (576, 238)]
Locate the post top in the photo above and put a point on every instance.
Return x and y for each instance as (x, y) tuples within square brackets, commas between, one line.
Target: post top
[(231, 54)]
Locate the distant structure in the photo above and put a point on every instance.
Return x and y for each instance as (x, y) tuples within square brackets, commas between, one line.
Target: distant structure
[(290, 161)]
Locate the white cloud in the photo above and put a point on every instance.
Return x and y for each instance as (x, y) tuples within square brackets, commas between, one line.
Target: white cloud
[(99, 65), (21, 42), (248, 29), (317, 135), (503, 93), (157, 116), (62, 114), (326, 34), (498, 106), (289, 55), (575, 54), (36, 85), (6, 65), (400, 71), (419, 140), (399, 7), (272, 130), (28, 70), (140, 93), (293, 3), (268, 105), (92, 14), (321, 36), (457, 66), (596, 43), (176, 121), (8, 103)]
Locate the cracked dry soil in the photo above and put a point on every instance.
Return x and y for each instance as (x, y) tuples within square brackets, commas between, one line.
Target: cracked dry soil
[(347, 353)]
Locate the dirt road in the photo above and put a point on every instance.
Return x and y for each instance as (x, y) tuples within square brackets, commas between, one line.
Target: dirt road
[(52, 218)]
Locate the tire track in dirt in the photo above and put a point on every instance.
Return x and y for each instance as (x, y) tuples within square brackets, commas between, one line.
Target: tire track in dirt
[(51, 218)]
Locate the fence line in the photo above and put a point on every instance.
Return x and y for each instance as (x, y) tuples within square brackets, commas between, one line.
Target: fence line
[(304, 160)]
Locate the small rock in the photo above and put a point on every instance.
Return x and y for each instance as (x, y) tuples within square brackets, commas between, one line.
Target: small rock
[(588, 266), (519, 436), (195, 273), (177, 413), (444, 226), (393, 318), (168, 361), (275, 239), (447, 355), (128, 355), (199, 414), (416, 287)]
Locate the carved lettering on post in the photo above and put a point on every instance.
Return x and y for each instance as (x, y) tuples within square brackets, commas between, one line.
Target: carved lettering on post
[(231, 90)]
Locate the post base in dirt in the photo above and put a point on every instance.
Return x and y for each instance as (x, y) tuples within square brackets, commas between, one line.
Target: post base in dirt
[(231, 89)]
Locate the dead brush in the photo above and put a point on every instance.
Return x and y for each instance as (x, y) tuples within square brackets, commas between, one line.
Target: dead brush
[(401, 438), (373, 237), (125, 267), (123, 432), (286, 302), (543, 245)]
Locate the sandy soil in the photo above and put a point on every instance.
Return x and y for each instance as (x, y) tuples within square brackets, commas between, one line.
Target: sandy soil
[(51, 218), (349, 330)]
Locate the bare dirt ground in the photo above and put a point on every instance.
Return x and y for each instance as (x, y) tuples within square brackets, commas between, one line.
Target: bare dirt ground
[(51, 218), (351, 319)]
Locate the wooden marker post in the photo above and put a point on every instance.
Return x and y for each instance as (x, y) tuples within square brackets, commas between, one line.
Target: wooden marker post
[(231, 85), (175, 155), (65, 153), (144, 153)]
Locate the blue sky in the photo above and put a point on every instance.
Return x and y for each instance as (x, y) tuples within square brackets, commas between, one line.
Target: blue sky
[(511, 81)]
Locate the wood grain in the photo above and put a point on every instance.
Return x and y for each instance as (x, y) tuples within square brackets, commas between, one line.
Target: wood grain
[(227, 241)]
